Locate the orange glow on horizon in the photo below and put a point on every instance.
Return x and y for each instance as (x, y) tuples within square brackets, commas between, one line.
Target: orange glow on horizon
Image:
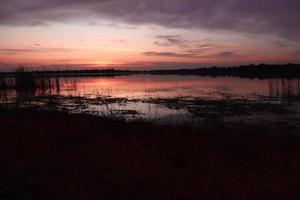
[(106, 46)]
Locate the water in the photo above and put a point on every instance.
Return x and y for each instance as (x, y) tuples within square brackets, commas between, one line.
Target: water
[(152, 86), (167, 98), (168, 86)]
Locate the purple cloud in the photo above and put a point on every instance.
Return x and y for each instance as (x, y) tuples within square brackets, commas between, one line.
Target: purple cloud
[(279, 17), (33, 50), (171, 40), (190, 54), (225, 54), (171, 54)]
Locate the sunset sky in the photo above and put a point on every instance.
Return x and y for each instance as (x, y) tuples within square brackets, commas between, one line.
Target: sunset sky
[(148, 33)]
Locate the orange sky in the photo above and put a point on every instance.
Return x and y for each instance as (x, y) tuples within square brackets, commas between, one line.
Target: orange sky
[(111, 44)]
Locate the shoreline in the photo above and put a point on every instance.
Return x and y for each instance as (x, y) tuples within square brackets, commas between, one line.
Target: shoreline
[(260, 71), (54, 155)]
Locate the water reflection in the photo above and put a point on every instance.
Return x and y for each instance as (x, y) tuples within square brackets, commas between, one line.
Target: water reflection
[(147, 86), (284, 88), (26, 87)]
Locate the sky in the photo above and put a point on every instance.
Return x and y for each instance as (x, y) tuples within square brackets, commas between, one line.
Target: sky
[(148, 34)]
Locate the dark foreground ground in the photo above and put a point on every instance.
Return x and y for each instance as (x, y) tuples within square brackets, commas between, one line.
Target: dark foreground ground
[(60, 156)]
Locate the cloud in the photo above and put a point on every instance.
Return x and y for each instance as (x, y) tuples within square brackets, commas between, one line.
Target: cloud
[(281, 44), (186, 48), (297, 52), (205, 46), (33, 50), (162, 44), (280, 17), (16, 50), (191, 54), (170, 54), (118, 40), (224, 54), (171, 40), (113, 25), (195, 51), (190, 47), (179, 41)]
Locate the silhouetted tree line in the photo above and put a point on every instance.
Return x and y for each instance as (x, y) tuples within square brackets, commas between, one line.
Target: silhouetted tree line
[(244, 71)]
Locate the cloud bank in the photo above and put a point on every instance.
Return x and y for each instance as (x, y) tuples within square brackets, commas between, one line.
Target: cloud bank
[(279, 17)]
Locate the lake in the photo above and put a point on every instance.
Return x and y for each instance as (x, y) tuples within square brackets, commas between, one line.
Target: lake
[(161, 98)]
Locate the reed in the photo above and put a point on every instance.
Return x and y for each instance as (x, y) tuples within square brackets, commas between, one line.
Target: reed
[(26, 84)]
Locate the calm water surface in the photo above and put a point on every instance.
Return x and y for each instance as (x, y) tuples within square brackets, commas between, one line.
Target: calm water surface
[(152, 96), (162, 86)]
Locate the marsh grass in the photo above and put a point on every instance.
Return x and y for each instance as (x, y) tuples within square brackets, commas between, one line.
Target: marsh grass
[(25, 85)]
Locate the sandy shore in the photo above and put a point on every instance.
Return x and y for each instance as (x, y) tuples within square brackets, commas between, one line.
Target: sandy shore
[(60, 156)]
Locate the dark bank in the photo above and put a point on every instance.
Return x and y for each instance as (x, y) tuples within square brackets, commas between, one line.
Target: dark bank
[(52, 155)]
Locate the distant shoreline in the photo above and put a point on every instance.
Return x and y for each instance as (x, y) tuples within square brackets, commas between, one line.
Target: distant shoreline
[(244, 71)]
